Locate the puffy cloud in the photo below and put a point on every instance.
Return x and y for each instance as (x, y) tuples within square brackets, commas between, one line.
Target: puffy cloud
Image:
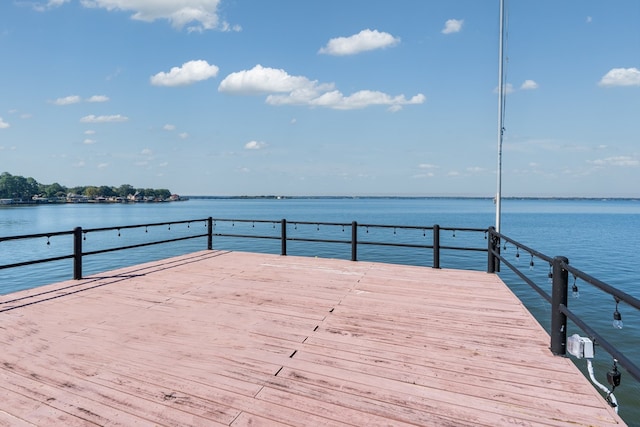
[(67, 100), (98, 98), (363, 41), (284, 89), (529, 85), (260, 80), (452, 26), (183, 135), (621, 77), (104, 119), (3, 124), (89, 132), (169, 127), (190, 72), (254, 145), (202, 13), (89, 141), (357, 100)]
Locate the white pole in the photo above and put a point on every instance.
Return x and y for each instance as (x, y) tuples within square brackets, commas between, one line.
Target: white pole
[(500, 117)]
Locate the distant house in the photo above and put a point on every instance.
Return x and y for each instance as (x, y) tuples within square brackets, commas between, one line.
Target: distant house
[(137, 197), (77, 198)]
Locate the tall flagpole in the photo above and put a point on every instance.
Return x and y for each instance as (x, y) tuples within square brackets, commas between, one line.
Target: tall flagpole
[(498, 198)]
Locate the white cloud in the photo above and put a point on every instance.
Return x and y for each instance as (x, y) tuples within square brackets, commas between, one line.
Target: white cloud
[(183, 135), (337, 101), (89, 141), (476, 169), (103, 165), (147, 152), (190, 72), (3, 124), (202, 14), (364, 41), (284, 89), (41, 7), (89, 132), (529, 85), (427, 166), (624, 161), (508, 88), (452, 26), (67, 100), (104, 119), (254, 145), (169, 127), (621, 77), (163, 164), (98, 98), (260, 80)]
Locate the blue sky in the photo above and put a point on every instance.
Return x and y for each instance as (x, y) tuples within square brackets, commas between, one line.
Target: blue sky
[(332, 97)]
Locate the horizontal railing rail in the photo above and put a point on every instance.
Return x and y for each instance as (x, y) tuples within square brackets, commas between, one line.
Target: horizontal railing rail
[(284, 235), (362, 235), (559, 297), (79, 235)]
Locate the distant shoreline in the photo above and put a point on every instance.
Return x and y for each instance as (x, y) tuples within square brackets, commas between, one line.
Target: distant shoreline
[(9, 202), (407, 197)]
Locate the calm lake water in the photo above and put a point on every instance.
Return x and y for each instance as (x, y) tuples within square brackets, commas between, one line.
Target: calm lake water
[(600, 237)]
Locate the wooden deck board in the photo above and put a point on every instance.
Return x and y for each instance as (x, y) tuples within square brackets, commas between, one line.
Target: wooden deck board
[(243, 339)]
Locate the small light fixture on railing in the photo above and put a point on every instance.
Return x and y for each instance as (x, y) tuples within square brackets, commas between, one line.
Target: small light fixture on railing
[(550, 274), (614, 376), (617, 317), (574, 288), (531, 264)]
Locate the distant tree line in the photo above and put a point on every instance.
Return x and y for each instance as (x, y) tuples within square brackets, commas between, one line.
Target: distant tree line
[(21, 188)]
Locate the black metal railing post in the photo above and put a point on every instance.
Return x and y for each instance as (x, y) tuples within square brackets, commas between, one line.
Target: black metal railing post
[(493, 249), (354, 241), (559, 296), (436, 246), (77, 253), (283, 238), (209, 233)]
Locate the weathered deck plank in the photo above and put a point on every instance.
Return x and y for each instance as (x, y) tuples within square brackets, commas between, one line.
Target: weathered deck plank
[(241, 339)]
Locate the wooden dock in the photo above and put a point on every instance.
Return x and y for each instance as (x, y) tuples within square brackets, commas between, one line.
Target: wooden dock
[(244, 339)]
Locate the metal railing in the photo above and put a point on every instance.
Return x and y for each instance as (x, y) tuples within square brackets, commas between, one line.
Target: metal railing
[(79, 235), (287, 232), (560, 312)]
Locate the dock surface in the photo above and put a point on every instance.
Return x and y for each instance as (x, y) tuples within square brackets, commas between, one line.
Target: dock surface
[(244, 339)]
